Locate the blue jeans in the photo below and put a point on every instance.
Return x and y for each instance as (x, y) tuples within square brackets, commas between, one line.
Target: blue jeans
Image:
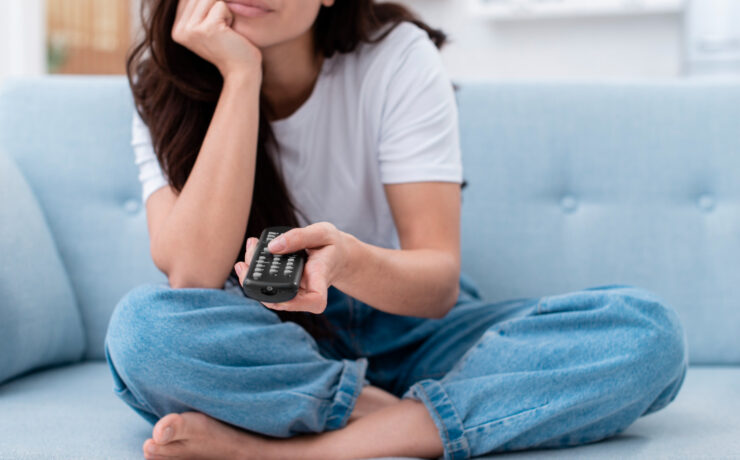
[(550, 372)]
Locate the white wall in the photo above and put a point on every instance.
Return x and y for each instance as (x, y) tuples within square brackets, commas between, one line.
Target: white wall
[(22, 38), (638, 46), (633, 47)]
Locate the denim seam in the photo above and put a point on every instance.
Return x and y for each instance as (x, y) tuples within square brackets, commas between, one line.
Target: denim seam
[(427, 390), (127, 386), (539, 305), (351, 326), (485, 426), (350, 385)]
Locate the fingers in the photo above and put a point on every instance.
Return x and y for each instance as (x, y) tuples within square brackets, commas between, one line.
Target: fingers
[(184, 8), (192, 13), (242, 268), (201, 11), (312, 302), (219, 13), (312, 236), (312, 297), (251, 246)]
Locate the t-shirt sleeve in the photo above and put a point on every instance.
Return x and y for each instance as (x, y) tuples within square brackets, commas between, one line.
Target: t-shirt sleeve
[(151, 175), (419, 133)]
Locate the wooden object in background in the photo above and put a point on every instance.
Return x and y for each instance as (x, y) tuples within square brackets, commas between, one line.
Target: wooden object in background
[(88, 36)]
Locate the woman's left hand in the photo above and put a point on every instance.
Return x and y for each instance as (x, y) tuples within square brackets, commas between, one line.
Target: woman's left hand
[(327, 259)]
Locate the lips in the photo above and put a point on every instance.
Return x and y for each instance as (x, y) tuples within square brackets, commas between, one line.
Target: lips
[(249, 8)]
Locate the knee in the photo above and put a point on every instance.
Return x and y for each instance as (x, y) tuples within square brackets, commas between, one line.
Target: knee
[(137, 314), (138, 333), (657, 343)]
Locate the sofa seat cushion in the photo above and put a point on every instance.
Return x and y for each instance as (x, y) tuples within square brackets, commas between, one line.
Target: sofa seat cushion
[(71, 412), (68, 412), (702, 422)]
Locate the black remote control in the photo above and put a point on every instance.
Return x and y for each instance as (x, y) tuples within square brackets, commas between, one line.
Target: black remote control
[(273, 277)]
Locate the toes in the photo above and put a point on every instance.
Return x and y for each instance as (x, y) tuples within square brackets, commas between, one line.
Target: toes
[(154, 451), (169, 428)]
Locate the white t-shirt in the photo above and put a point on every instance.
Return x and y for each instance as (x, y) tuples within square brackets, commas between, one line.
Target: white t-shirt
[(383, 114)]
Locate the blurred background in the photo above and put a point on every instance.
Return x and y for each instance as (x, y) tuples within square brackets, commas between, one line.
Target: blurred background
[(525, 39)]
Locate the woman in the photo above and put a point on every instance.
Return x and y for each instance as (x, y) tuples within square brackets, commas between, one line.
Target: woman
[(336, 117)]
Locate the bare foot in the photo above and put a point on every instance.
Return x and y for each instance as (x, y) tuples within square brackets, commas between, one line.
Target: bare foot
[(193, 435)]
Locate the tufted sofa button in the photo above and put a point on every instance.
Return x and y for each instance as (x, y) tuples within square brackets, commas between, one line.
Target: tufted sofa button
[(569, 204), (706, 203), (131, 206)]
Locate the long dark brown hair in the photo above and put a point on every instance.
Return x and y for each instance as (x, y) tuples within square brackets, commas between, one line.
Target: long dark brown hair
[(175, 92)]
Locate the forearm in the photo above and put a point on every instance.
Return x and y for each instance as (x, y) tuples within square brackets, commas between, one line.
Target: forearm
[(202, 234), (411, 282)]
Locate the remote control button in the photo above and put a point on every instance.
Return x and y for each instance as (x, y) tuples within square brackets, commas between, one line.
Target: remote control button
[(288, 272), (257, 276)]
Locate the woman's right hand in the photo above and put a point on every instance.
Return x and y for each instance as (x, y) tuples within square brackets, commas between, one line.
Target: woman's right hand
[(204, 27)]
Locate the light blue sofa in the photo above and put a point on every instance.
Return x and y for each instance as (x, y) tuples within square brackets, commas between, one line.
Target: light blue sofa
[(570, 185)]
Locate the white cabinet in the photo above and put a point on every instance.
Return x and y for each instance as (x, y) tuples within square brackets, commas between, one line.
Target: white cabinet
[(538, 9), (712, 44)]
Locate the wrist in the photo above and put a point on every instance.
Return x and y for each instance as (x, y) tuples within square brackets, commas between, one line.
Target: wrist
[(351, 248), (243, 79)]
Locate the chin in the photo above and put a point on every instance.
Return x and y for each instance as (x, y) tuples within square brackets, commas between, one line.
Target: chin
[(260, 38)]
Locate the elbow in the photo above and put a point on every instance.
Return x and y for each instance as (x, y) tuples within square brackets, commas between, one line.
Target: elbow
[(451, 295), (180, 275), (179, 280), (449, 303)]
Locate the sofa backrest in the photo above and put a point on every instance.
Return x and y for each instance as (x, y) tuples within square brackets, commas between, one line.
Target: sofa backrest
[(71, 138), (575, 185), (571, 185)]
